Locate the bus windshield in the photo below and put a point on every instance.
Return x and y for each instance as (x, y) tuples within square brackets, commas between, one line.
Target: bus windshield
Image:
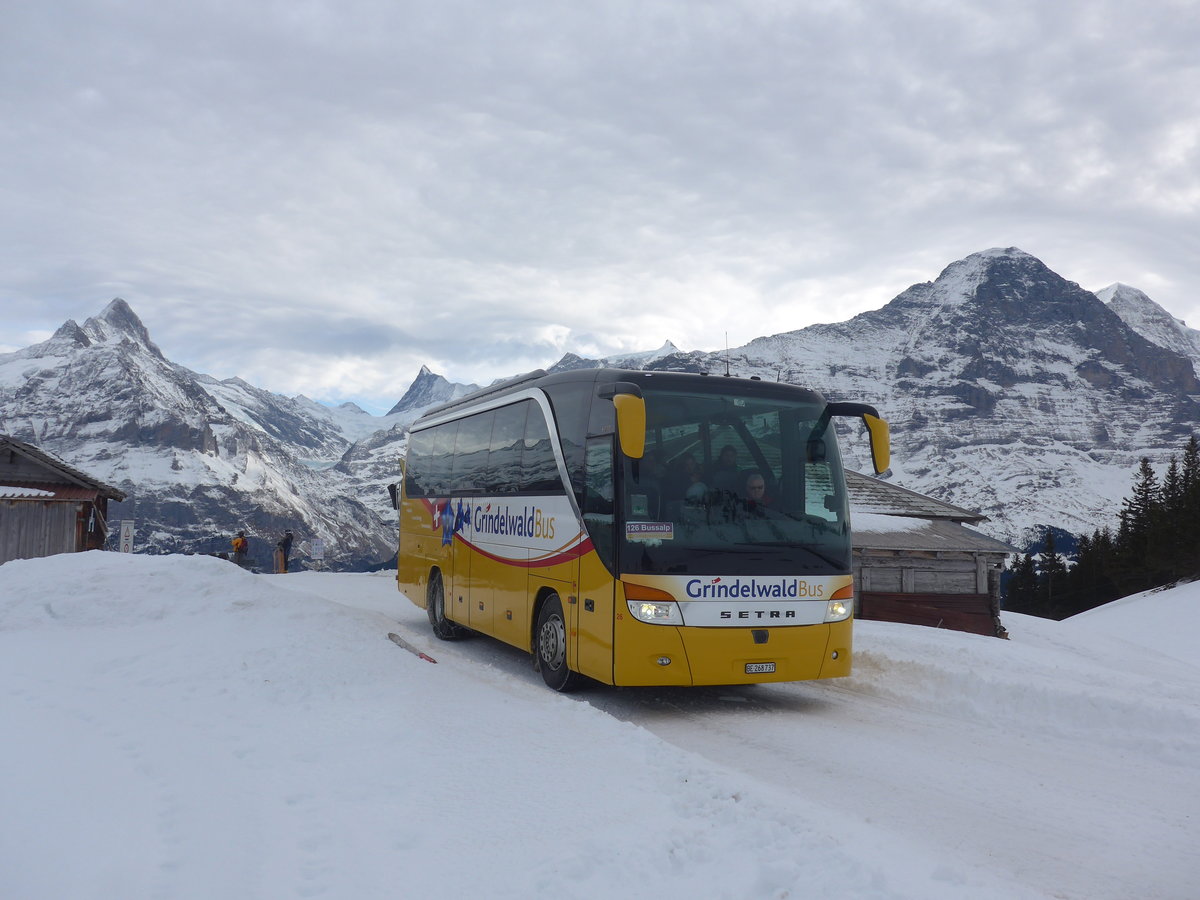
[(734, 484)]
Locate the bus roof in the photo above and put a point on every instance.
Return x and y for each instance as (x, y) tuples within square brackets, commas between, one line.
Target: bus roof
[(672, 381)]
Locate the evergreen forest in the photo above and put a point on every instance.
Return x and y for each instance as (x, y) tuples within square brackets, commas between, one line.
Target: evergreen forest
[(1157, 543)]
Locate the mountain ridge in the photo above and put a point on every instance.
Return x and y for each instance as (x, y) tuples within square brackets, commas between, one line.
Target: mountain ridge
[(1010, 390)]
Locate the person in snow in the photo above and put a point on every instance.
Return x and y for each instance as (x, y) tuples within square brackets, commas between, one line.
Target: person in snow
[(240, 546), (280, 559), (286, 544)]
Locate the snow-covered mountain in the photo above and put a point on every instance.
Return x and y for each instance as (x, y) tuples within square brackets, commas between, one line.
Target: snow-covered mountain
[(198, 458), (645, 359), (428, 390), (1009, 390), (1151, 321)]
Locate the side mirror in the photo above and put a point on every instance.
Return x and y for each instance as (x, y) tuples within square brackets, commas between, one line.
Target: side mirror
[(877, 429), (395, 495), (881, 445), (631, 424), (631, 416)]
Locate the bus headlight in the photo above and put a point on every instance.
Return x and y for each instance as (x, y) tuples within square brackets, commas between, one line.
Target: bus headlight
[(649, 604), (656, 612), (837, 610)]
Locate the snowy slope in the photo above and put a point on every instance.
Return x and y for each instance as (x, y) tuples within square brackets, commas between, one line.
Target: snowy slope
[(1151, 321), (184, 729)]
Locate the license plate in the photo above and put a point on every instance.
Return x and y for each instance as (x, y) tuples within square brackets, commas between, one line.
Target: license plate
[(759, 668)]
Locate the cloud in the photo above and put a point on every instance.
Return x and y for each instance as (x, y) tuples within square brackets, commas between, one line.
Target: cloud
[(355, 189)]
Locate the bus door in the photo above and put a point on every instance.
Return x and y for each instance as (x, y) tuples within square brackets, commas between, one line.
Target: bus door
[(479, 590), (455, 561), (597, 584)]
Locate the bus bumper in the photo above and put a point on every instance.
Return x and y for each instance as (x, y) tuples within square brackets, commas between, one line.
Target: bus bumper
[(656, 654)]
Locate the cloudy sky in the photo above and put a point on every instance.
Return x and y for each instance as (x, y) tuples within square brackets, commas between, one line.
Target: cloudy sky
[(322, 195)]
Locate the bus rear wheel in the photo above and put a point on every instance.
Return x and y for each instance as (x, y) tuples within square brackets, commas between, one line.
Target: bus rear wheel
[(550, 642), (435, 606)]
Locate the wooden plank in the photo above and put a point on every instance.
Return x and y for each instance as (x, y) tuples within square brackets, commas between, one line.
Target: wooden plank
[(960, 612)]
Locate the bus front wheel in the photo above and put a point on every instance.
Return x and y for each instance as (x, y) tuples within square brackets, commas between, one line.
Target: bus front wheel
[(551, 647), (435, 606)]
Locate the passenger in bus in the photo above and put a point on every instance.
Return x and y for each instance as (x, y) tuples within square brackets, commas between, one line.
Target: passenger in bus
[(725, 476), (686, 481), (756, 502), (649, 483)]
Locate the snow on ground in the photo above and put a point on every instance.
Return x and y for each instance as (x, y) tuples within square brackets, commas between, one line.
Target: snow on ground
[(176, 727)]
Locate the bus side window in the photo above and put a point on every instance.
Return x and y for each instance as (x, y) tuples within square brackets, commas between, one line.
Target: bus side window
[(441, 458), (572, 404), (471, 453), (539, 469), (416, 466), (598, 498), (504, 457)]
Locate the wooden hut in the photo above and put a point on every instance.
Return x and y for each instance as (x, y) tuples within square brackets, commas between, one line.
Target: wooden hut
[(916, 561), (46, 506)]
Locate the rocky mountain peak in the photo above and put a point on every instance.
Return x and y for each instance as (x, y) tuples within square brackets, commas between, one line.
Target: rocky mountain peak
[(991, 274), (1151, 321), (572, 361), (116, 323), (71, 332), (426, 390), (994, 307)]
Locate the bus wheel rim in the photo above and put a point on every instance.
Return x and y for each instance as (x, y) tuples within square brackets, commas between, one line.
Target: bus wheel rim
[(552, 643)]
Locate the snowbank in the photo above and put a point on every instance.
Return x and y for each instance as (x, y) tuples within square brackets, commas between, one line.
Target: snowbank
[(178, 727), (1160, 621)]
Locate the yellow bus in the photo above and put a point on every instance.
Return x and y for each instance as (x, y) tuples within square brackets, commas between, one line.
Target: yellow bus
[(637, 528)]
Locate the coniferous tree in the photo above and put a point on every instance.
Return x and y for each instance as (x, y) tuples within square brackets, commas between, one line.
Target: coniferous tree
[(1157, 542), (1189, 525), (1088, 584), (1022, 586), (1079, 578), (1131, 569), (1051, 581), (1167, 539), (1105, 588)]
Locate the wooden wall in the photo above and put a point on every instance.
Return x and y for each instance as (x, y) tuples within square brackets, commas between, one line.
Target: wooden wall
[(947, 572), (944, 589), (960, 612), (32, 528)]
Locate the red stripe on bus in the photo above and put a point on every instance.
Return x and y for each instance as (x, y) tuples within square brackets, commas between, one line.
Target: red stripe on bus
[(566, 556)]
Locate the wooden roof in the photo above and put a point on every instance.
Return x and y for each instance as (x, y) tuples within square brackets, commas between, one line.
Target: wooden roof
[(928, 535), (58, 472), (38, 490), (928, 524), (871, 495)]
